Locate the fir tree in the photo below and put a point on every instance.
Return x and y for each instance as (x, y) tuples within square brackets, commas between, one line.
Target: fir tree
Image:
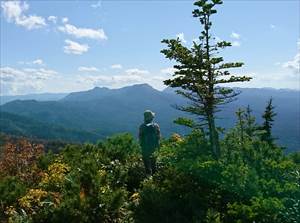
[(240, 113), (251, 126), (268, 117), (199, 73)]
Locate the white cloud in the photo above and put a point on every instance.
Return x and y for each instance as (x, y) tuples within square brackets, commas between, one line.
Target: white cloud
[(180, 36), (110, 81), (52, 19), (32, 22), (88, 69), (75, 48), (64, 20), (38, 62), (34, 62), (131, 76), (235, 35), (236, 43), (116, 66), (14, 12), (13, 9), (168, 70), (272, 26), (293, 64), (117, 81), (39, 74), (28, 80), (278, 80), (97, 5), (136, 71), (72, 30)]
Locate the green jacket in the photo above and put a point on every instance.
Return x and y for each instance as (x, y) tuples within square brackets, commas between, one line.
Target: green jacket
[(149, 136)]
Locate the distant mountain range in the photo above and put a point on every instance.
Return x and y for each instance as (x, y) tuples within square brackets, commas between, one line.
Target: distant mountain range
[(38, 97), (22, 126), (101, 112)]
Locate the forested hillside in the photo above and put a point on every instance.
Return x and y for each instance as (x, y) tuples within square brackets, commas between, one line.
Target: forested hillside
[(107, 182), (22, 126), (39, 97), (224, 161), (104, 111)]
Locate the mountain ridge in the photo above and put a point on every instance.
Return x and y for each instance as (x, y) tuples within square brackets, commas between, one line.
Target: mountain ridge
[(109, 111), (17, 125)]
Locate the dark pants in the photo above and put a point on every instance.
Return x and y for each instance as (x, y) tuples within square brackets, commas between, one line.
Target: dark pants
[(150, 164)]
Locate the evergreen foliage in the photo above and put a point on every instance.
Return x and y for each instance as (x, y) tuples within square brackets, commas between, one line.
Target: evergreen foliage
[(200, 72), (268, 117), (23, 126), (252, 181)]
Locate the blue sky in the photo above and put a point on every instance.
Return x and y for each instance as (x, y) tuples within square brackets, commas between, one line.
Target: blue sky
[(63, 46)]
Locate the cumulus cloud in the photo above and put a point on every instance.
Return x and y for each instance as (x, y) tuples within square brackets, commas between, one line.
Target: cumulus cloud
[(72, 30), (32, 22), (136, 71), (110, 81), (64, 20), (236, 43), (277, 80), (14, 11), (180, 36), (88, 69), (235, 35), (38, 62), (117, 81), (75, 48), (18, 81), (39, 74), (120, 80), (52, 19), (97, 5), (168, 70), (293, 64), (129, 77), (116, 66)]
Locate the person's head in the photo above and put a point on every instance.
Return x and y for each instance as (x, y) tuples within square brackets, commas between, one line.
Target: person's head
[(148, 116)]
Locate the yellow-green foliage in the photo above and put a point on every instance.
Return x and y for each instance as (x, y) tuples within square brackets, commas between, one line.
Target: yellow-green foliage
[(107, 183), (34, 199), (55, 175)]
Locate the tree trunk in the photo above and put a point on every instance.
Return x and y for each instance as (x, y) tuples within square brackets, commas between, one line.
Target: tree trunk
[(213, 136)]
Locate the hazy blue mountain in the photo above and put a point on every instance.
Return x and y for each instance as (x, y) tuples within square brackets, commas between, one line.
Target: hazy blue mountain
[(17, 125), (38, 97), (108, 111), (121, 110), (287, 107), (93, 94)]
